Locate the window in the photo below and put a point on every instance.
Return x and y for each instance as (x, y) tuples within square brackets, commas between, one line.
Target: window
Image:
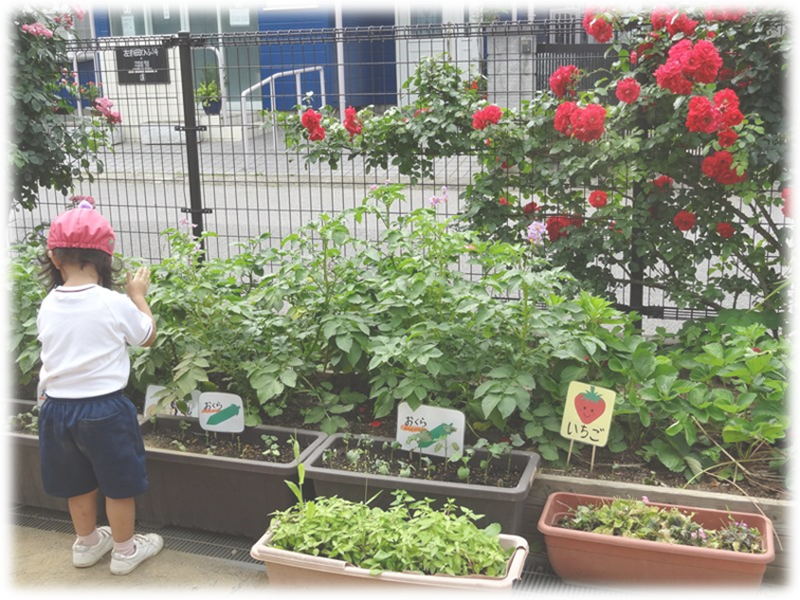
[(564, 26), (290, 4)]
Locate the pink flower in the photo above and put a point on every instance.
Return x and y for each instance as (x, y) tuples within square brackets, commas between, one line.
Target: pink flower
[(489, 115), (78, 11), (37, 29)]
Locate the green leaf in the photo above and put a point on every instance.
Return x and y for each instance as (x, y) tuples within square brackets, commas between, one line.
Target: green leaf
[(644, 363)]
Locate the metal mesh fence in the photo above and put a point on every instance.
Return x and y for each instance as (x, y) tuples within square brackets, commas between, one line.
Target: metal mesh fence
[(246, 181)]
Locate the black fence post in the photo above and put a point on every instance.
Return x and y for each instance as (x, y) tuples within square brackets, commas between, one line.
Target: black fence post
[(190, 128)]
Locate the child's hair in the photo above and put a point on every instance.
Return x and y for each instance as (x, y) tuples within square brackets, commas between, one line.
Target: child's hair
[(102, 261)]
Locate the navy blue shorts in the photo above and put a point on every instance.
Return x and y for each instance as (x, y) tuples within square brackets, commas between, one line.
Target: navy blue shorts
[(90, 443)]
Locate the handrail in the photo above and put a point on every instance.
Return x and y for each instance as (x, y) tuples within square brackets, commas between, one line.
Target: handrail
[(270, 81)]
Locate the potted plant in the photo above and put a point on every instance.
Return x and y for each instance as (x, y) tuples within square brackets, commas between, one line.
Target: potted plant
[(369, 464), (334, 541), (595, 539), (210, 96)]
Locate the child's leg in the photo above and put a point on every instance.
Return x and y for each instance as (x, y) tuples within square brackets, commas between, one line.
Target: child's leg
[(83, 511), (92, 543), (121, 513)]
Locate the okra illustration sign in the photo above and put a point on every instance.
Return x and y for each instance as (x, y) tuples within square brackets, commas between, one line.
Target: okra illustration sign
[(221, 412), (430, 429), (587, 414)]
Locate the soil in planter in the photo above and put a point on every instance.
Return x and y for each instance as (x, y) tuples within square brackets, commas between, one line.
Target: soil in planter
[(226, 445), (375, 459)]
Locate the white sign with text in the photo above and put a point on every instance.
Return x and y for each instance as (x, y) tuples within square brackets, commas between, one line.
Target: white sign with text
[(430, 429)]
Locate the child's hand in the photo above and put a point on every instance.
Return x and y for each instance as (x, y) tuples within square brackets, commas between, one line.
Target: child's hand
[(137, 284)]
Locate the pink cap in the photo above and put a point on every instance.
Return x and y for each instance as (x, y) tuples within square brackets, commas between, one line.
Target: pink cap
[(81, 227)]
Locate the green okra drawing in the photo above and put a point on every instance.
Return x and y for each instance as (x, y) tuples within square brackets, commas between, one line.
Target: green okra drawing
[(223, 415)]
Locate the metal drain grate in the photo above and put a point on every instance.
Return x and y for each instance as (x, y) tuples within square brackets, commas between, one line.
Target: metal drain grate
[(538, 582)]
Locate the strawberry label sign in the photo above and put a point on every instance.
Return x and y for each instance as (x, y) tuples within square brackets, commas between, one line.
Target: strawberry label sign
[(587, 414)]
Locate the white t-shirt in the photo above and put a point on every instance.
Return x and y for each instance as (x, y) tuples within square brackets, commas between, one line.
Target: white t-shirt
[(85, 332)]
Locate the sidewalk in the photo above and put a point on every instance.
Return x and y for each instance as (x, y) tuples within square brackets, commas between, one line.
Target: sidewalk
[(37, 565)]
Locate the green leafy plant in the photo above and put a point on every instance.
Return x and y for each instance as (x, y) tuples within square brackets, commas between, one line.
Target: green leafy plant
[(641, 520), (208, 92), (407, 537)]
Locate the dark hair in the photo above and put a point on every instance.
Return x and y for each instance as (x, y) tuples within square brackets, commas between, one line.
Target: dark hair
[(102, 261)]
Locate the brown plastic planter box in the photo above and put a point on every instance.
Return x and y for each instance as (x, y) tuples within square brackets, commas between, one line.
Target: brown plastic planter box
[(218, 494), (296, 571), (505, 506), (593, 558), (21, 466)]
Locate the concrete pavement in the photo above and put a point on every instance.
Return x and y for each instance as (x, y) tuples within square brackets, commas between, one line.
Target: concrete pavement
[(40, 561)]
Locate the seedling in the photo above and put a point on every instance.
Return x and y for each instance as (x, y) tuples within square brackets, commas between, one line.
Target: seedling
[(272, 446)]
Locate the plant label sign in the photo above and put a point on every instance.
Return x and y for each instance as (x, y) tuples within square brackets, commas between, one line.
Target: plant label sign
[(587, 414), (430, 429), (153, 394), (221, 412)]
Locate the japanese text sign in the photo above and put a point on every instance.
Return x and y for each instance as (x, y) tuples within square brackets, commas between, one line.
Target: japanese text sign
[(221, 412), (587, 414), (430, 429)]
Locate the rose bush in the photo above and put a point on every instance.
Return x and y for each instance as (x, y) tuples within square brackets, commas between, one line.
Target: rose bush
[(685, 133), (48, 150)]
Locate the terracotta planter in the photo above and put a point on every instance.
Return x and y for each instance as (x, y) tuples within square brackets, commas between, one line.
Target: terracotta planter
[(212, 493), (593, 558), (295, 570), (505, 506)]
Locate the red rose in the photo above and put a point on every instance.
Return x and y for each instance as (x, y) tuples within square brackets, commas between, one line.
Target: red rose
[(786, 209), (317, 134), (530, 207), (725, 230), (311, 119), (719, 167), (351, 122), (704, 63), (503, 200), (556, 227), (596, 26), (728, 104), (598, 198), (658, 18), (628, 90), (703, 116), (563, 81), (588, 124), (563, 115), (732, 10), (727, 137), (482, 118), (669, 76), (685, 220), (681, 24), (663, 182)]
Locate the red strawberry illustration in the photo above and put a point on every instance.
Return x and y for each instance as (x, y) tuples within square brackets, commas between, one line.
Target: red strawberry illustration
[(590, 405)]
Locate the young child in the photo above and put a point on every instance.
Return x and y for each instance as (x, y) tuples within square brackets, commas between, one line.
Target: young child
[(89, 436)]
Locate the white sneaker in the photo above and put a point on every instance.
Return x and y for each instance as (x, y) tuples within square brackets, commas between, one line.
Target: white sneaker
[(146, 546), (86, 556)]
